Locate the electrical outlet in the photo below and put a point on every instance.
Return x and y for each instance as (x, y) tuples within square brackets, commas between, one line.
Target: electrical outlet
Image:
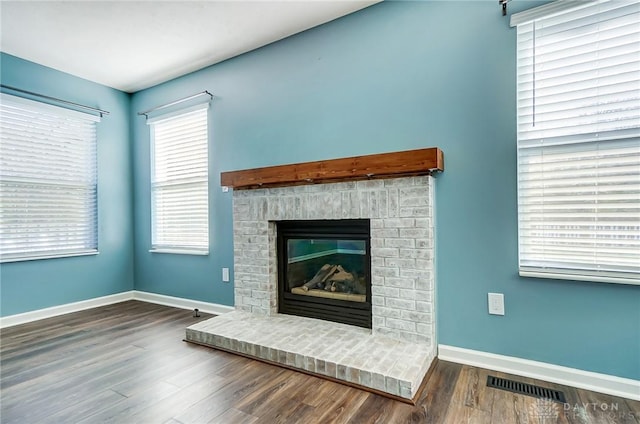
[(225, 275), (225, 189), (496, 303)]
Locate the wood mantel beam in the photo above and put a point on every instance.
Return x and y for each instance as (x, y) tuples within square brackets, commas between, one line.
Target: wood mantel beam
[(383, 165)]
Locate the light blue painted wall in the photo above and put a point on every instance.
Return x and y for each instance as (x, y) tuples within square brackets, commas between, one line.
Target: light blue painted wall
[(397, 76), (32, 285)]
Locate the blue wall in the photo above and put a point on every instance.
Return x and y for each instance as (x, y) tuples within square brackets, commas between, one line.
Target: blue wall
[(397, 76), (32, 285)]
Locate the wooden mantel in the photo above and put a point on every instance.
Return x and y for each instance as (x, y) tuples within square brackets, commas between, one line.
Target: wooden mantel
[(384, 165)]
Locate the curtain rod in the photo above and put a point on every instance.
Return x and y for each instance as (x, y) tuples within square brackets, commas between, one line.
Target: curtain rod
[(184, 99), (55, 99)]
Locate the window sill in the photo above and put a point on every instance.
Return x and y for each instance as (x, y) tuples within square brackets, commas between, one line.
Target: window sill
[(50, 256), (581, 277), (181, 251)]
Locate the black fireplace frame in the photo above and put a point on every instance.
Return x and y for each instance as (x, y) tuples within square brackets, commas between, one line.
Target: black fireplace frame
[(343, 311)]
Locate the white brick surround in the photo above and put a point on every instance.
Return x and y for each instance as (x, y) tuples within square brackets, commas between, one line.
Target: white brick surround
[(402, 258)]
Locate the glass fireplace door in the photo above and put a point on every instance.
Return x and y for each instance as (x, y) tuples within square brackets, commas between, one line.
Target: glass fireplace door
[(327, 268), (324, 270)]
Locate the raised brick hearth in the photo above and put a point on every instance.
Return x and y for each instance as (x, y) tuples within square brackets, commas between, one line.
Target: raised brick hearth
[(400, 211)]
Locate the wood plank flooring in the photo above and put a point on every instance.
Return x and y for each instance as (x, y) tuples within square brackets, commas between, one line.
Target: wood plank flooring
[(127, 363)]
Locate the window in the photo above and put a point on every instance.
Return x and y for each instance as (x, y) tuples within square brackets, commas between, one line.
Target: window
[(179, 183), (48, 205), (579, 141)]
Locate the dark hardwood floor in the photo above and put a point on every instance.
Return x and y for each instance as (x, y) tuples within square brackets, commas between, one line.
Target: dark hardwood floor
[(127, 363)]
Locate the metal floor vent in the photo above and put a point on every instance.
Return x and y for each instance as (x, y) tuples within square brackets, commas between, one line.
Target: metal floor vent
[(525, 389)]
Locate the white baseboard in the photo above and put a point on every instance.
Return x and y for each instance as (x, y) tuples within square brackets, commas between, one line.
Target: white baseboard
[(602, 383), (177, 302), (182, 303), (67, 308)]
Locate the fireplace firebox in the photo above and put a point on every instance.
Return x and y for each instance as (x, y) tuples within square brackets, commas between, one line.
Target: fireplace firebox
[(324, 270)]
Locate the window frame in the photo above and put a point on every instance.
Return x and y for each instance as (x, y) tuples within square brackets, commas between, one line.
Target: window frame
[(39, 124), (620, 272), (157, 246)]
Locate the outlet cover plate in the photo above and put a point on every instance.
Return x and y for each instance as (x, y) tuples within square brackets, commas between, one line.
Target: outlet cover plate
[(496, 303)]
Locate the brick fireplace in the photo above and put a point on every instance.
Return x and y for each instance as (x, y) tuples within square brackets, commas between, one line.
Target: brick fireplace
[(400, 212)]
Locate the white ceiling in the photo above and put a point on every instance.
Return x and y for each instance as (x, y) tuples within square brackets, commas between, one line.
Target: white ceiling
[(132, 45)]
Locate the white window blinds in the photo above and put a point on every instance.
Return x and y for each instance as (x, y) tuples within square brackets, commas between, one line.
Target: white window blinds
[(179, 183), (579, 143), (48, 205)]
